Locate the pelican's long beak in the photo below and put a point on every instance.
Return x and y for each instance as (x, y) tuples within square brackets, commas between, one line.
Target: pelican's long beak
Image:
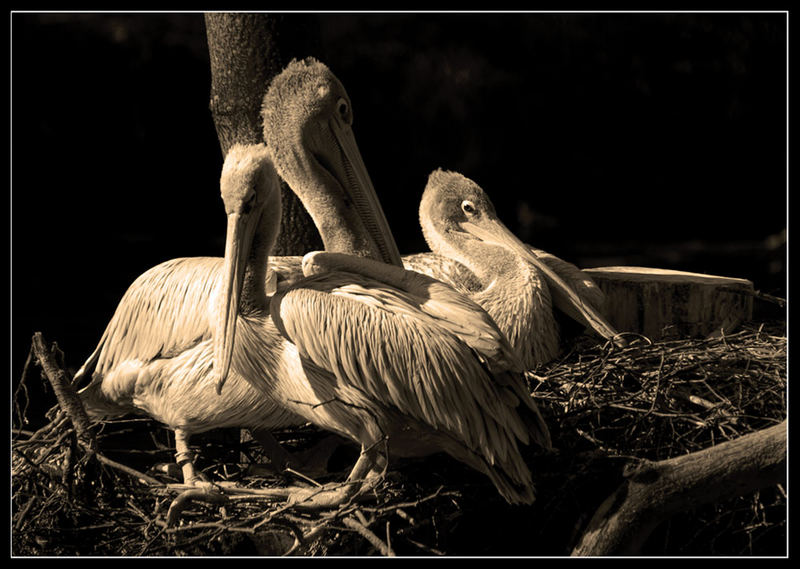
[(237, 247), (564, 298), (360, 189)]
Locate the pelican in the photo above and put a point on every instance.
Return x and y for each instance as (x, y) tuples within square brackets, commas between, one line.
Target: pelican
[(155, 356), (306, 110), (393, 360), (500, 273)]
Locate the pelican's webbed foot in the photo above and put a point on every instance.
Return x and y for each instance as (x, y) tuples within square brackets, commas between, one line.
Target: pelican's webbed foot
[(366, 474)]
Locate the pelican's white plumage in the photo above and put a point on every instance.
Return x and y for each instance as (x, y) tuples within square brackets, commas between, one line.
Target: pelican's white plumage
[(156, 354), (429, 368), (306, 108), (493, 267), (396, 361), (156, 358)]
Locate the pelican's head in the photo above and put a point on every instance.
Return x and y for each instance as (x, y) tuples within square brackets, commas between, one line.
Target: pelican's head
[(305, 93), (308, 120), (459, 220), (452, 206), (251, 193)]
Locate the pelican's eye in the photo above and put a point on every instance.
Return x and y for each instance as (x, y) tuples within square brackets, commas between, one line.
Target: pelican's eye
[(343, 109), (468, 207)]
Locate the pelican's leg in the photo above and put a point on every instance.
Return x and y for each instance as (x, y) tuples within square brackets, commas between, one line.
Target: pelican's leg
[(370, 466), (184, 457), (204, 490)]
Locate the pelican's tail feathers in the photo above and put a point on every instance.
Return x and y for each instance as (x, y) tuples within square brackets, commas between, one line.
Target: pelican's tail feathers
[(536, 426), (508, 472), (518, 397), (512, 478), (97, 405), (88, 367)]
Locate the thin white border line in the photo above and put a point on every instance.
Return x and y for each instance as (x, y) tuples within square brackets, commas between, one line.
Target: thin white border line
[(400, 12), (11, 166)]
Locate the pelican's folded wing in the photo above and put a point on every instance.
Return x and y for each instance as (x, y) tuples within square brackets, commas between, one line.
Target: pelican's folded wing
[(374, 337), (164, 312)]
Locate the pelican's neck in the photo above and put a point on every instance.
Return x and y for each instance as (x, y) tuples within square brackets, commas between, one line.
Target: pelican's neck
[(337, 220), (517, 298), (495, 265), (262, 346), (469, 252), (254, 296)]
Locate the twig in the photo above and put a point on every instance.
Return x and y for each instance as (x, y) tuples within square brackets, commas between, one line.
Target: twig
[(360, 515), (376, 542), (24, 432), (301, 541), (424, 547), (274, 493), (52, 448), (402, 513), (272, 515), (302, 476), (770, 298), (439, 492), (23, 387), (24, 511)]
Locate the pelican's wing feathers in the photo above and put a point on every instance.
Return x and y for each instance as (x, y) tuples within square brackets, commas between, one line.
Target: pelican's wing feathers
[(375, 338), (166, 310), (287, 270), (450, 309), (445, 269)]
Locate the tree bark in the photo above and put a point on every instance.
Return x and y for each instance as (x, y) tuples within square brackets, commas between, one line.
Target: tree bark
[(655, 491), (246, 51)]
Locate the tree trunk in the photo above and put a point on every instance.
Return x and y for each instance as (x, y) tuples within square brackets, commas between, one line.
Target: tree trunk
[(655, 491), (246, 51)]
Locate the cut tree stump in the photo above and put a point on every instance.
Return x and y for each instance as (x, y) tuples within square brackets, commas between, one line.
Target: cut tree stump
[(661, 303)]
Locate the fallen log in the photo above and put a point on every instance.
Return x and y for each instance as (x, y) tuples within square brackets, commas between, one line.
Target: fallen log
[(654, 491)]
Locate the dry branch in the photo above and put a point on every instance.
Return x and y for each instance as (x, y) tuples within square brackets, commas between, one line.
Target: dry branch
[(67, 398), (654, 491)]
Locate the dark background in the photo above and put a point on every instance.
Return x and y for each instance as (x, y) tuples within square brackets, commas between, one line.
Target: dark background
[(633, 139)]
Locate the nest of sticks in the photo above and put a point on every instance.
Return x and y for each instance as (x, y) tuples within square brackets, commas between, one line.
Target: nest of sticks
[(607, 407)]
